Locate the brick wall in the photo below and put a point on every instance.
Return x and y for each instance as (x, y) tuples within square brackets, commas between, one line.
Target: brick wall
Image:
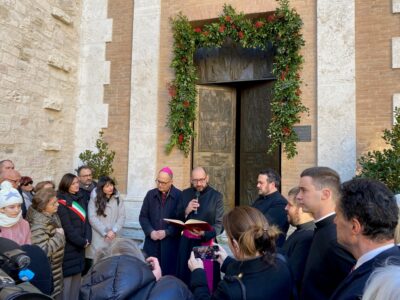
[(117, 94), (376, 81)]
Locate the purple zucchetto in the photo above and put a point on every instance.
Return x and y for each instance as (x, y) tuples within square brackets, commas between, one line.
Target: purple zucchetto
[(167, 170)]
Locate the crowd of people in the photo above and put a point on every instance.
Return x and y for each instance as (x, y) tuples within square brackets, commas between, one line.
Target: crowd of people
[(344, 243)]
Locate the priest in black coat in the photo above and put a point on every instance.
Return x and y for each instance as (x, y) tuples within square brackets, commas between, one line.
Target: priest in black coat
[(200, 202), (271, 203), (297, 245), (366, 219), (162, 239), (328, 263)]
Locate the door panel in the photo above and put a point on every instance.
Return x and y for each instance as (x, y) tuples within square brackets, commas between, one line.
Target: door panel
[(254, 142), (214, 144)]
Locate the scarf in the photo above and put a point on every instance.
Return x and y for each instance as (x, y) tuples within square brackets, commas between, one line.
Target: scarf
[(6, 221)]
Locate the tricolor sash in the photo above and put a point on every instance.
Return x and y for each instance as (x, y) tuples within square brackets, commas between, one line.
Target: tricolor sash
[(76, 208)]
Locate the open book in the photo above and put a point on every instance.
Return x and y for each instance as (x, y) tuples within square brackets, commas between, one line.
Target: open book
[(191, 224)]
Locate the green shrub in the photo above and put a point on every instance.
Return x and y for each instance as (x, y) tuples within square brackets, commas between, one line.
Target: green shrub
[(101, 161), (385, 165)]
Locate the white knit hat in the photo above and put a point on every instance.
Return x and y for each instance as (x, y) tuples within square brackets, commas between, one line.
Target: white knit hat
[(9, 195)]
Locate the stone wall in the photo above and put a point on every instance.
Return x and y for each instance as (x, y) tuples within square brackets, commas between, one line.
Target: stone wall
[(39, 57)]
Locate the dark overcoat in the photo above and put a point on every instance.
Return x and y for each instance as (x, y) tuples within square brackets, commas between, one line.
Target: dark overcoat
[(151, 218), (77, 234), (353, 286), (262, 281)]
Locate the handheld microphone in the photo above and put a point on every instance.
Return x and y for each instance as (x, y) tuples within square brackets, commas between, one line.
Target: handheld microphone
[(197, 198)]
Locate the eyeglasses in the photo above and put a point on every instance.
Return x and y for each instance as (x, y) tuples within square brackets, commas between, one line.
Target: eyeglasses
[(200, 180), (28, 183), (161, 182)]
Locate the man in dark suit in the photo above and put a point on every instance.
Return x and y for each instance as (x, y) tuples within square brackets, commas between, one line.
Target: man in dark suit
[(297, 245), (328, 263), (366, 218), (271, 203)]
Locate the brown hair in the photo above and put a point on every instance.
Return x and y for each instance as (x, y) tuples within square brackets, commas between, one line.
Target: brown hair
[(41, 184), (42, 198), (249, 227), (324, 177)]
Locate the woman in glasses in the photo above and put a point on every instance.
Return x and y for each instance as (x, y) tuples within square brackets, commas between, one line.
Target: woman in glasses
[(48, 234), (26, 190)]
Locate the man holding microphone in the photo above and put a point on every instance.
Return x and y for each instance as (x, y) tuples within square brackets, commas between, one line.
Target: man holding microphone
[(204, 203)]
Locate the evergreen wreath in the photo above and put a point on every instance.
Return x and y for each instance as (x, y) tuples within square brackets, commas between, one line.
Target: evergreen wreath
[(281, 29)]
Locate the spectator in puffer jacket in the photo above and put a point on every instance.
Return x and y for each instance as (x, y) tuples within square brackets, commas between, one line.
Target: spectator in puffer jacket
[(120, 272), (48, 234)]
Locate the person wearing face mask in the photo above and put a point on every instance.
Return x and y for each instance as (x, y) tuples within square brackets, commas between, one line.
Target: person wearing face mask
[(12, 225), (73, 215)]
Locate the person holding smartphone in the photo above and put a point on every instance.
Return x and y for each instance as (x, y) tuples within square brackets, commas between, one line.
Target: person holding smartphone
[(252, 242)]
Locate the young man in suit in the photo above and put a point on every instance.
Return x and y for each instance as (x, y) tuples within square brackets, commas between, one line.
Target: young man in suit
[(366, 218), (328, 263)]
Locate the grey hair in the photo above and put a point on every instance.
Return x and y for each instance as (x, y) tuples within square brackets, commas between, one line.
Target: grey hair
[(119, 246), (384, 282)]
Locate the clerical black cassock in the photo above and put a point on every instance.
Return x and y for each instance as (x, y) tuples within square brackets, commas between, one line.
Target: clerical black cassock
[(157, 206), (297, 247), (327, 263), (211, 210), (273, 208)]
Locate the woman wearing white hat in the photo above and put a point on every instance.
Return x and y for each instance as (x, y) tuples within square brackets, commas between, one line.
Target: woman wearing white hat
[(12, 225)]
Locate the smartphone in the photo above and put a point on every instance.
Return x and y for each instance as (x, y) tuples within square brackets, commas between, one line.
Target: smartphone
[(206, 252)]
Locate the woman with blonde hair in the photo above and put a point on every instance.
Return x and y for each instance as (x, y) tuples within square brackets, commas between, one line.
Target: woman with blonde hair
[(48, 234), (257, 272)]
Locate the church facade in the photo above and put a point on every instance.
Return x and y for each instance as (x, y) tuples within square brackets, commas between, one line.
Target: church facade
[(70, 68)]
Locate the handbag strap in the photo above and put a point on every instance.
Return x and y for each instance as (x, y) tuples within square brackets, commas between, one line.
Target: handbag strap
[(238, 278)]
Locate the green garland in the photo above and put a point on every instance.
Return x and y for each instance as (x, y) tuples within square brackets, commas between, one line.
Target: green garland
[(282, 29)]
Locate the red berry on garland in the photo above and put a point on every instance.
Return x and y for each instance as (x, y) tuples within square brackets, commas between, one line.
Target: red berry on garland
[(259, 24), (298, 92), (228, 18), (221, 28), (286, 131), (180, 138), (241, 34), (271, 18), (197, 29), (233, 26), (186, 104)]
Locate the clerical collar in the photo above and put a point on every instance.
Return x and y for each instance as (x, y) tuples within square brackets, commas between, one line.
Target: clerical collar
[(324, 217), (306, 226)]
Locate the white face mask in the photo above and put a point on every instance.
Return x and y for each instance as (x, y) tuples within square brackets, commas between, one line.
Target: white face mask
[(6, 221)]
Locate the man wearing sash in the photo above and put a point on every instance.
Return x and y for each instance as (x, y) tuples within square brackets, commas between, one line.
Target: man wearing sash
[(200, 202)]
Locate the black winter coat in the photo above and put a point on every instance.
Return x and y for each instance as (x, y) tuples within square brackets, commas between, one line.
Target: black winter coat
[(77, 234), (151, 218), (126, 277), (262, 281)]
